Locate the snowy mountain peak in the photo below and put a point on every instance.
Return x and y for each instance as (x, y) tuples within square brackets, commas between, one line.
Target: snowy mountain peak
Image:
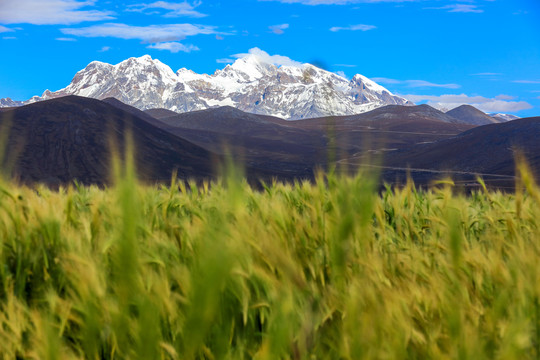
[(360, 80), (253, 66), (256, 82), (145, 59)]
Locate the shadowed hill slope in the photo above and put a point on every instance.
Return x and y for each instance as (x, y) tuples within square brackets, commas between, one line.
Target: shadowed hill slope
[(470, 115), (160, 113), (68, 138), (252, 139), (389, 127), (488, 150)]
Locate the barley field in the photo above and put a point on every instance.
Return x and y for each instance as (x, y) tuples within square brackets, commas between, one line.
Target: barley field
[(335, 269)]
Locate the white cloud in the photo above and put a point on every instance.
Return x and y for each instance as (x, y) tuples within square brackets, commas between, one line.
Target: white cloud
[(150, 34), (461, 8), (9, 38), (225, 61), (526, 81), (278, 29), (414, 83), (359, 27), (49, 12), (5, 29), (263, 56), (173, 47), (105, 48), (65, 39), (480, 102), (175, 9)]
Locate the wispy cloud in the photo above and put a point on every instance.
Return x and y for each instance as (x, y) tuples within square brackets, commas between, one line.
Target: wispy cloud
[(278, 29), (414, 83), (487, 74), (9, 38), (104, 49), (65, 39), (388, 81), (174, 47), (5, 29), (338, 2), (50, 12), (225, 61), (358, 27), (149, 34), (342, 74), (526, 81), (496, 104), (263, 56), (174, 9), (423, 83), (458, 8)]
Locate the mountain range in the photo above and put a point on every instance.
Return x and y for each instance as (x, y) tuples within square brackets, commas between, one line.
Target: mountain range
[(250, 84)]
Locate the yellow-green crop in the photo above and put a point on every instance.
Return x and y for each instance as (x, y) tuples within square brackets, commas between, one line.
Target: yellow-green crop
[(330, 270)]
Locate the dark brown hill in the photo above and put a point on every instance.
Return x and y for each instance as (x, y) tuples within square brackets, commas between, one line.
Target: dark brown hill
[(468, 114), (385, 116), (160, 113), (389, 127), (229, 120), (252, 139), (487, 150), (298, 146), (134, 112), (60, 140)]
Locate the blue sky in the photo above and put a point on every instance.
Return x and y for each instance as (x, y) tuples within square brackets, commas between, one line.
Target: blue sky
[(481, 52)]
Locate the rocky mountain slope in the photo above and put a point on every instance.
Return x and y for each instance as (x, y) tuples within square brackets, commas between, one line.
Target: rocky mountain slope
[(251, 84)]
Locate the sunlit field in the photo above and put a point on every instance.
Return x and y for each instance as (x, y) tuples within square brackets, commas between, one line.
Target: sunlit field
[(334, 269)]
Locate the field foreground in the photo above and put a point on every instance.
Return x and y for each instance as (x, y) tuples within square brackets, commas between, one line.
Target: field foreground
[(331, 270)]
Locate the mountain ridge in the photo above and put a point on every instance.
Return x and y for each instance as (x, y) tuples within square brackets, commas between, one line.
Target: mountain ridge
[(251, 84)]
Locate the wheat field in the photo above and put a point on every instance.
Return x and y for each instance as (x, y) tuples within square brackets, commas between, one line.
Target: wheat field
[(335, 269)]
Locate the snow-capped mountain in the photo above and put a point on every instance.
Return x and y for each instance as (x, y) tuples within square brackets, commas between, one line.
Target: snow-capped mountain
[(252, 84)]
